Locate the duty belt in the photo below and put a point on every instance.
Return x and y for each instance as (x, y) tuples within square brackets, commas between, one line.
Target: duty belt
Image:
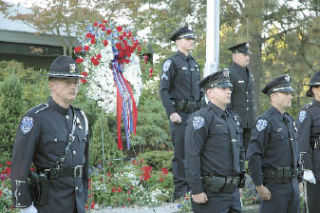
[(221, 184), (281, 175), (186, 106), (55, 173)]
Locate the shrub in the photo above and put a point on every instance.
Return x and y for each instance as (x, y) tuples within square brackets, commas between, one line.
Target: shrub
[(157, 159)]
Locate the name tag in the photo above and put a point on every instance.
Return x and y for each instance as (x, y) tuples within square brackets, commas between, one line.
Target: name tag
[(240, 82)]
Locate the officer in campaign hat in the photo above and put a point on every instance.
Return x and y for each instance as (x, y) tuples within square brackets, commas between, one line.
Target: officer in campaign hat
[(273, 158), (215, 157), (54, 138), (180, 95), (242, 98), (309, 143)]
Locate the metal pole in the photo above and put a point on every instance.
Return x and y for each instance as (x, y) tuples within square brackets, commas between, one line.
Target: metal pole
[(212, 37)]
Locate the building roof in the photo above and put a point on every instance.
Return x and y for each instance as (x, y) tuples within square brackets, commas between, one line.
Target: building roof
[(20, 32)]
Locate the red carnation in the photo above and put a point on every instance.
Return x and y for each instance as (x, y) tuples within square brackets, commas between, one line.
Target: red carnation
[(79, 60), (93, 40), (89, 35), (150, 72), (86, 48), (95, 24), (94, 61), (119, 46), (105, 21), (119, 28), (77, 49), (105, 43), (98, 56), (109, 31)]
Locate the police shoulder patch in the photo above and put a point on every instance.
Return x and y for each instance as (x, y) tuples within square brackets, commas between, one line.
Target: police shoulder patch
[(261, 124), (166, 65), (197, 122), (302, 115), (26, 124)]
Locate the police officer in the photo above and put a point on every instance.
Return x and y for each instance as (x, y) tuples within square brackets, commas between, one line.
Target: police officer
[(43, 135), (309, 143), (242, 98), (273, 151), (214, 150), (180, 95)]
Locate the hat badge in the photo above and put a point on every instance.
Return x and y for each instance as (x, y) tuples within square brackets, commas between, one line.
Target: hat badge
[(287, 77), (72, 68), (226, 73)]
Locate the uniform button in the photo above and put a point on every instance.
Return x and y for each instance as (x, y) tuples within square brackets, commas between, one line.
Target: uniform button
[(247, 100), (247, 108), (67, 116), (55, 140), (74, 152), (77, 188), (247, 93)]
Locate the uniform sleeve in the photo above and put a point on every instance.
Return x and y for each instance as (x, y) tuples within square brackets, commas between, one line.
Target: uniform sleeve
[(194, 141), (242, 156), (86, 165), (304, 145), (23, 149), (256, 147), (232, 81), (165, 83)]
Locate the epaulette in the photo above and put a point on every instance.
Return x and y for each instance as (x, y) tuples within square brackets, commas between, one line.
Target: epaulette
[(41, 107), (307, 106)]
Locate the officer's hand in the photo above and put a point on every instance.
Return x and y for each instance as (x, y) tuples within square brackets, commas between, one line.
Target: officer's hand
[(263, 192), (175, 118), (300, 186), (200, 198), (30, 209), (308, 176)]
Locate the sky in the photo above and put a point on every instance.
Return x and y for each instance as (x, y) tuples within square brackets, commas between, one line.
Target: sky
[(25, 3)]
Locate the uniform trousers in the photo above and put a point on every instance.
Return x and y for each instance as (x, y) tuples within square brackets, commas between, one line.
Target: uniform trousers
[(219, 203), (313, 193), (285, 198), (180, 183)]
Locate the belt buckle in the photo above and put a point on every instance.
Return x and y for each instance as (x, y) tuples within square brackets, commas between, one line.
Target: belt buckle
[(77, 168)]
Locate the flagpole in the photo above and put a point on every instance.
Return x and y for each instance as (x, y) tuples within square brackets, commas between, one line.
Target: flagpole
[(212, 37)]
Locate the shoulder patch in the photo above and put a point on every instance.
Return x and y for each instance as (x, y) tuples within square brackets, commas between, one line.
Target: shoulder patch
[(197, 122), (261, 124), (166, 65), (26, 124), (302, 115)]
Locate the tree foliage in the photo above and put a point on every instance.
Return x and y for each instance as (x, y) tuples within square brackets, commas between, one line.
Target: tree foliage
[(11, 109)]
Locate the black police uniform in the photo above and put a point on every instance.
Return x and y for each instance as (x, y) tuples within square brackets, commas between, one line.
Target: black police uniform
[(180, 93), (309, 143), (273, 154), (242, 98), (214, 153), (41, 139)]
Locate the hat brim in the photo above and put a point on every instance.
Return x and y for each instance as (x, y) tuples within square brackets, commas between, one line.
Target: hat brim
[(224, 85), (282, 89), (58, 75)]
